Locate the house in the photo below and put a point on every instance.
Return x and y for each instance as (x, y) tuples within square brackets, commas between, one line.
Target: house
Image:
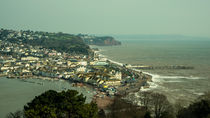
[(100, 63), (5, 68), (118, 76), (74, 61), (112, 82), (81, 69), (29, 58), (83, 63)]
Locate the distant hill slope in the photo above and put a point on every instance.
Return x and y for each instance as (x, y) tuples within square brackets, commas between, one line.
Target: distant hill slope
[(61, 42), (100, 41)]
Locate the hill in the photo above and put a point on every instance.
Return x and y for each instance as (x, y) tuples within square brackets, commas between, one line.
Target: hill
[(61, 42)]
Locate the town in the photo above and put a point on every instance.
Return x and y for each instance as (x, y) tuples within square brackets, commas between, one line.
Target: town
[(20, 60)]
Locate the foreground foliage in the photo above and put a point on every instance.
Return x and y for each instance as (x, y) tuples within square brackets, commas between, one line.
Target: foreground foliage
[(198, 109), (124, 109), (52, 104), (70, 104)]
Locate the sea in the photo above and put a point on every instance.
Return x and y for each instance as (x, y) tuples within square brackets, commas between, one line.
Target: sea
[(15, 93), (177, 84)]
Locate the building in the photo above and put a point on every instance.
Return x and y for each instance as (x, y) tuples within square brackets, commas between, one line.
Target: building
[(100, 63), (29, 58), (81, 69)]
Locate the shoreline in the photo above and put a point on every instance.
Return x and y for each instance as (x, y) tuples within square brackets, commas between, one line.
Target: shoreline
[(154, 76), (42, 80), (156, 84), (145, 77), (133, 69)]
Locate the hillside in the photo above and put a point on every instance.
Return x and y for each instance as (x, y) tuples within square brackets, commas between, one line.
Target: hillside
[(61, 42)]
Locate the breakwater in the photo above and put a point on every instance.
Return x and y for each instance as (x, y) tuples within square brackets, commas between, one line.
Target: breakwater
[(161, 67)]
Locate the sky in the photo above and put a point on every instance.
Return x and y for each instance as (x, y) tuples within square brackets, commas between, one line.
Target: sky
[(184, 17)]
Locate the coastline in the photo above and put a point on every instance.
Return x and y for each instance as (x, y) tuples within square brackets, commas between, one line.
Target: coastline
[(149, 75), (158, 82), (50, 79), (141, 83)]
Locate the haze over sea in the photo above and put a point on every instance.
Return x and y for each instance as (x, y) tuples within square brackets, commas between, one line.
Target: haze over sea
[(165, 51)]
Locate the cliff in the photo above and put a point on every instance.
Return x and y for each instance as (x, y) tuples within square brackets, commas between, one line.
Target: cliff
[(100, 41), (110, 41)]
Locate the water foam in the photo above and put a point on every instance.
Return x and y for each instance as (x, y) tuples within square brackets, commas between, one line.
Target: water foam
[(179, 77), (160, 78), (157, 80)]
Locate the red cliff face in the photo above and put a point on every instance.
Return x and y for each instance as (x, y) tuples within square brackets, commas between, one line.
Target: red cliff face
[(111, 41), (102, 41)]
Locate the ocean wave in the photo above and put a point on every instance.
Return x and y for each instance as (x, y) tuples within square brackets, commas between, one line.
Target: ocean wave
[(192, 77), (152, 85), (170, 79), (198, 93), (193, 91), (179, 77), (161, 78), (158, 80), (175, 81)]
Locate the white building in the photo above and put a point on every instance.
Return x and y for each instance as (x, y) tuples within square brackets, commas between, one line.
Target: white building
[(118, 75), (112, 83), (83, 63), (81, 69), (29, 58)]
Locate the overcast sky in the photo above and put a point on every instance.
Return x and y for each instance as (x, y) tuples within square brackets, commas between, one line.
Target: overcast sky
[(186, 17)]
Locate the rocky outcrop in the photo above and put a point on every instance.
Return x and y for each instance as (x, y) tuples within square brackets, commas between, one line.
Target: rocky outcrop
[(100, 41), (110, 41)]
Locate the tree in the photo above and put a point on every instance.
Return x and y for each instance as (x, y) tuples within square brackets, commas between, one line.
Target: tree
[(205, 96), (17, 114), (101, 113), (199, 109), (145, 99), (160, 106), (178, 105), (124, 109), (52, 104)]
